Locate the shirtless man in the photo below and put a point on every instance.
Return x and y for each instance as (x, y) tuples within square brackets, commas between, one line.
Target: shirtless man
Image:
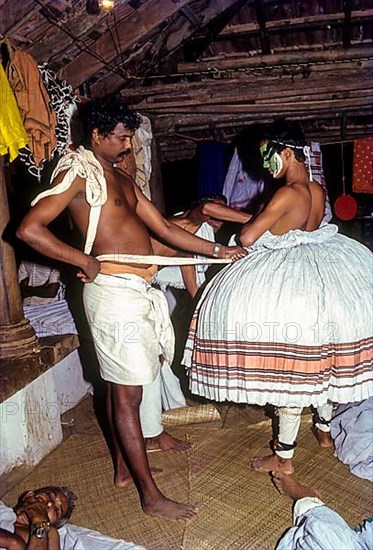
[(211, 210), (309, 197), (93, 190), (279, 326)]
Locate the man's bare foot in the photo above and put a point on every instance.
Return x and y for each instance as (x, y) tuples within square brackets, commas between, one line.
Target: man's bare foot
[(323, 438), (165, 442), (289, 485), (164, 508), (272, 463), (124, 478)]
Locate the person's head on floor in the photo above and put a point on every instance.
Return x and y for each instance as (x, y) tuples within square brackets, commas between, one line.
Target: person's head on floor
[(59, 500), (108, 125), (284, 143)]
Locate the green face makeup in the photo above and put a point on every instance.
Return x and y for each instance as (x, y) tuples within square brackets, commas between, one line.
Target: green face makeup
[(272, 161)]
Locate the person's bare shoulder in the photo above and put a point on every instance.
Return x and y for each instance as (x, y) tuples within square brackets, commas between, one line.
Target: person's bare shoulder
[(285, 194), (317, 189), (124, 177)]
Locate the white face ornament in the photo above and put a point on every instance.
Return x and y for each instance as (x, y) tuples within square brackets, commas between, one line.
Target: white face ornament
[(272, 160), (277, 164)]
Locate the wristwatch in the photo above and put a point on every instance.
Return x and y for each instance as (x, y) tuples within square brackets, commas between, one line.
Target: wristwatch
[(41, 529)]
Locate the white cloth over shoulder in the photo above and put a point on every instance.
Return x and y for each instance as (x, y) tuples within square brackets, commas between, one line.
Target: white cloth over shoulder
[(83, 163), (317, 527)]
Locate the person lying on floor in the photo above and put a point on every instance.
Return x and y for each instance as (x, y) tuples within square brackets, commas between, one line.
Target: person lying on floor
[(316, 526), (39, 522)]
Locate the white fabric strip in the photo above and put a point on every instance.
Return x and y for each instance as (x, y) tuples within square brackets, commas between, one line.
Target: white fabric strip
[(159, 260), (83, 163)]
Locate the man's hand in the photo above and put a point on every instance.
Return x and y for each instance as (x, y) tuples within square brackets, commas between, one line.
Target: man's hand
[(34, 508), (88, 273), (232, 252)]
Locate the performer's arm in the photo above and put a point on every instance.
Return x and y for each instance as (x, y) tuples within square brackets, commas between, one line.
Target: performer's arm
[(177, 236), (224, 213), (276, 208), (34, 230), (189, 275)]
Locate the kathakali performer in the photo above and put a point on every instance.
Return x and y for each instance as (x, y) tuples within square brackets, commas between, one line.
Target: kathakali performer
[(290, 324)]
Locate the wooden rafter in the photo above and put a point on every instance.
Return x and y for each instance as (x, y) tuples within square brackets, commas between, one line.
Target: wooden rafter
[(140, 63), (287, 58), (263, 33), (296, 23), (347, 8), (129, 31)]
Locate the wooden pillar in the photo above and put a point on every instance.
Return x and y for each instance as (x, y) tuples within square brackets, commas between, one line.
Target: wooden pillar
[(17, 337)]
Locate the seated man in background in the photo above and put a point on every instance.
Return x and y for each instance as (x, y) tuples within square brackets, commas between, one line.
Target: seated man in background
[(204, 218), (180, 285), (39, 522)]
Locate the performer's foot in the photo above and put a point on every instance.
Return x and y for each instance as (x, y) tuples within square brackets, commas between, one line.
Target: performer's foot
[(323, 438), (123, 478), (272, 463), (290, 486), (164, 508), (166, 442)]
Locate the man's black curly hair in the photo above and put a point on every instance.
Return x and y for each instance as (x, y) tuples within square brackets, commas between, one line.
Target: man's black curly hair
[(104, 114), (284, 133)]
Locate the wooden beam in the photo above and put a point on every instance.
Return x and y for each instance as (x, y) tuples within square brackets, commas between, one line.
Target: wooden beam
[(150, 55), (244, 83), (132, 29), (263, 34), (296, 23), (303, 105), (191, 122), (290, 58), (14, 14), (347, 8), (56, 46)]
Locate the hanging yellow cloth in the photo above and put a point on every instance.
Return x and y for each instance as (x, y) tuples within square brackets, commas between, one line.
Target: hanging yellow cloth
[(12, 132)]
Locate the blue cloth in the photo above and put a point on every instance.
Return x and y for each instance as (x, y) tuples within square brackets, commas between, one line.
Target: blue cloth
[(352, 431), (212, 167), (323, 529)]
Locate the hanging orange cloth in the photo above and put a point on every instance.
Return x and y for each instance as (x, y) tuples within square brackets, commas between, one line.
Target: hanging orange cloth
[(362, 174), (12, 132), (33, 102)]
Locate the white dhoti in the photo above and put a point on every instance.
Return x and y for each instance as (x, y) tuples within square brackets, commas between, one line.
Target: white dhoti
[(130, 326)]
